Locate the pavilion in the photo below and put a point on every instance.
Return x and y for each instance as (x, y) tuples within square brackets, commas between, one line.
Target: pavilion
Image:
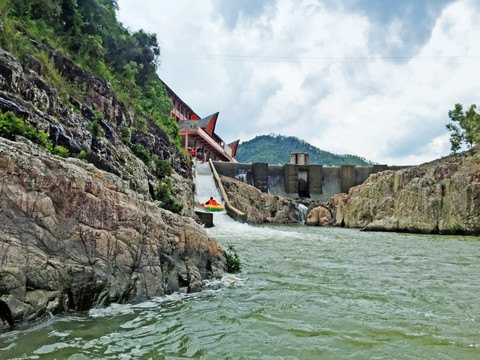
[(198, 134)]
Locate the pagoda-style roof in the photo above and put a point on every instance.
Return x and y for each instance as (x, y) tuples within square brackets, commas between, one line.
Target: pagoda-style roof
[(201, 133), (207, 124), (234, 146)]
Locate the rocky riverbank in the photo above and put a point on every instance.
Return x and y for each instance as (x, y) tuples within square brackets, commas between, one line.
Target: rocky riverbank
[(81, 233), (439, 197), (69, 120), (73, 236)]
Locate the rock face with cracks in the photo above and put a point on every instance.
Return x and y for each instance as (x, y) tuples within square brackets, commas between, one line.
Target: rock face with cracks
[(73, 236), (439, 197), (25, 92), (261, 207)]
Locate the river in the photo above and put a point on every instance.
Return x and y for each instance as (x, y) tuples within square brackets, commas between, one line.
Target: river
[(308, 293)]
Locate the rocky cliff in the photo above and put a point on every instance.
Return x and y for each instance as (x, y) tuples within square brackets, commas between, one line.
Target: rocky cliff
[(66, 115), (76, 234), (440, 197), (73, 236)]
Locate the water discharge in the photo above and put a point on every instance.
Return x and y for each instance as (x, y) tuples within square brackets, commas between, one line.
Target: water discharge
[(205, 186), (310, 293)]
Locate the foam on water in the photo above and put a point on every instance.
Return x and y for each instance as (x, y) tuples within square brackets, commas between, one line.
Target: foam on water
[(205, 185), (226, 227), (310, 293), (302, 209)]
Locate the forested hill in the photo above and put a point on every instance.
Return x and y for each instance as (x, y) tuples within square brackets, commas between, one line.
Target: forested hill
[(276, 149), (87, 31)]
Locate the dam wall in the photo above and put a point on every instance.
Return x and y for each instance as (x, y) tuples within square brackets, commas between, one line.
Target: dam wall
[(292, 181)]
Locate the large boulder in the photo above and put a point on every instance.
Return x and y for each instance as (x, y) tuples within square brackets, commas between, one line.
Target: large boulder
[(319, 216), (441, 197), (261, 207), (73, 236)]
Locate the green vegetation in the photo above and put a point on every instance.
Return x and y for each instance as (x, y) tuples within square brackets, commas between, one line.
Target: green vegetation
[(125, 134), (468, 129), (234, 264), (81, 155), (95, 128), (455, 229), (142, 153), (163, 194), (276, 149), (61, 151), (89, 33), (162, 168), (10, 126)]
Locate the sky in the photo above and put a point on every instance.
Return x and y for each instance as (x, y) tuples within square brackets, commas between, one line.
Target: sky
[(373, 78)]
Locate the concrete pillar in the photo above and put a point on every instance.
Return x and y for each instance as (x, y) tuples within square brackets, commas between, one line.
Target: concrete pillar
[(348, 177), (290, 175), (331, 180), (315, 179), (299, 158), (260, 176), (205, 218), (186, 142)]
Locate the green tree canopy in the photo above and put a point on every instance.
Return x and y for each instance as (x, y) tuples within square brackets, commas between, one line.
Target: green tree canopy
[(88, 31), (464, 127), (276, 149)]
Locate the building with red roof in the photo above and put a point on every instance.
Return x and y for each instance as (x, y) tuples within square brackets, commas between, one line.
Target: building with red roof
[(198, 134)]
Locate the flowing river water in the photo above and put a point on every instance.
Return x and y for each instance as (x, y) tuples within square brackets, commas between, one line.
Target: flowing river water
[(308, 293)]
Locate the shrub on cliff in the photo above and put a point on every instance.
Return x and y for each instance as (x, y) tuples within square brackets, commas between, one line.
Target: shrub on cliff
[(95, 128), (10, 126), (125, 134), (142, 153), (162, 168), (163, 194), (61, 151)]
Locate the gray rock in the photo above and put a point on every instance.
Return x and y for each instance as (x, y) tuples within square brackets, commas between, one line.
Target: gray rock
[(73, 237), (439, 197), (261, 207)]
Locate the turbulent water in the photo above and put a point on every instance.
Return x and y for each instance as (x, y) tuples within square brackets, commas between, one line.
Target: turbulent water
[(309, 293), (205, 185)]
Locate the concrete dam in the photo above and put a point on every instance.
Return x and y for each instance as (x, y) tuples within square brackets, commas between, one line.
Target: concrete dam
[(300, 179)]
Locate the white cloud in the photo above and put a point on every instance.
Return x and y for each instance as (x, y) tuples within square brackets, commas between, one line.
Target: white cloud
[(297, 68)]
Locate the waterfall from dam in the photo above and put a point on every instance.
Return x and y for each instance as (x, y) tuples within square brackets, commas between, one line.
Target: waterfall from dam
[(205, 185)]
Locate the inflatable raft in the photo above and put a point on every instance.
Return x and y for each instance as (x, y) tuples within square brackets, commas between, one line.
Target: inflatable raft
[(212, 208)]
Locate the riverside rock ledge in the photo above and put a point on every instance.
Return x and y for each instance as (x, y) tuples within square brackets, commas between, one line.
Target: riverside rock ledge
[(439, 197), (73, 237)]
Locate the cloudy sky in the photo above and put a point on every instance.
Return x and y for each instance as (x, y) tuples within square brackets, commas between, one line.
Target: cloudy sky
[(374, 78)]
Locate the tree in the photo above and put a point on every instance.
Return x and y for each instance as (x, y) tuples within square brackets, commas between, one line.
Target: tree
[(89, 32), (468, 128)]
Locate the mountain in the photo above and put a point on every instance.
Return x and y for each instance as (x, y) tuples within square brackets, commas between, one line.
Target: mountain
[(276, 149)]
